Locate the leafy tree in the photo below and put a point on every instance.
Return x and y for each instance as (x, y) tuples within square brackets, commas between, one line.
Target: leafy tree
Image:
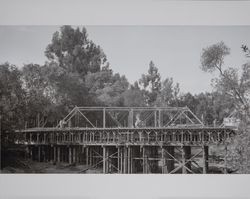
[(188, 100), (151, 83), (73, 51), (246, 50), (106, 87), (235, 85), (168, 94), (229, 83), (38, 96), (133, 97), (11, 98)]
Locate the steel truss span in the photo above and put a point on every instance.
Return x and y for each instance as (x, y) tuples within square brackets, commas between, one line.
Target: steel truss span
[(138, 140)]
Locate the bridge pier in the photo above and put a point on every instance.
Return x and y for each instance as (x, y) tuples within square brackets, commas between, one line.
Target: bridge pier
[(54, 149), (58, 154), (70, 154), (104, 159), (186, 155), (205, 158), (136, 160), (168, 159), (87, 155), (74, 154), (145, 159), (110, 159), (39, 154)]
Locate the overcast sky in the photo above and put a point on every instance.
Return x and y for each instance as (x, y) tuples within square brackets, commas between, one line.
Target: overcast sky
[(175, 50)]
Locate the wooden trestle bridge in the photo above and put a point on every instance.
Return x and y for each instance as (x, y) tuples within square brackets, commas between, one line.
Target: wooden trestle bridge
[(128, 140)]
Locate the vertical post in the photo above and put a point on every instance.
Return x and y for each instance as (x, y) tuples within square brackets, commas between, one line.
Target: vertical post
[(58, 154), (155, 118), (90, 156), (74, 154), (125, 159), (131, 159), (87, 155), (121, 160), (54, 154), (104, 159), (30, 138), (162, 160), (168, 156), (44, 138), (160, 119), (225, 161), (38, 120), (205, 159), (186, 154), (37, 138), (51, 154), (131, 118), (104, 118), (144, 168), (70, 155), (118, 159), (129, 166), (44, 158), (39, 153), (183, 160)]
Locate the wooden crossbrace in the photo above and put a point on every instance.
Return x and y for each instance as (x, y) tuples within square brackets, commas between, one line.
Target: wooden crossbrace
[(176, 117), (195, 116), (196, 164), (181, 163), (93, 166), (99, 155)]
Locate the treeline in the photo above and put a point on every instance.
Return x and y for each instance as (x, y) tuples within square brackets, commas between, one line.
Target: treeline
[(77, 73)]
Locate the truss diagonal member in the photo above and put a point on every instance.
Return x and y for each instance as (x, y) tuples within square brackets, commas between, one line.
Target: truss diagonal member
[(71, 114), (188, 118), (44, 123), (115, 120), (86, 118), (176, 117), (195, 116)]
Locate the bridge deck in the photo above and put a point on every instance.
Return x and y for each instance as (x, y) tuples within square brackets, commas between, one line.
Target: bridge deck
[(191, 136)]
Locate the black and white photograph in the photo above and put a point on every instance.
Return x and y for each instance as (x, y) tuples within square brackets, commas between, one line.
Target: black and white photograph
[(81, 99), (114, 99)]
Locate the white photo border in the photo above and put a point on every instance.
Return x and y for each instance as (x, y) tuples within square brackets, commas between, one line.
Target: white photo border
[(121, 12)]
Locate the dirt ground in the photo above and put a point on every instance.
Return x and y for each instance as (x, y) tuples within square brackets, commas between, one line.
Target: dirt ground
[(29, 166)]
